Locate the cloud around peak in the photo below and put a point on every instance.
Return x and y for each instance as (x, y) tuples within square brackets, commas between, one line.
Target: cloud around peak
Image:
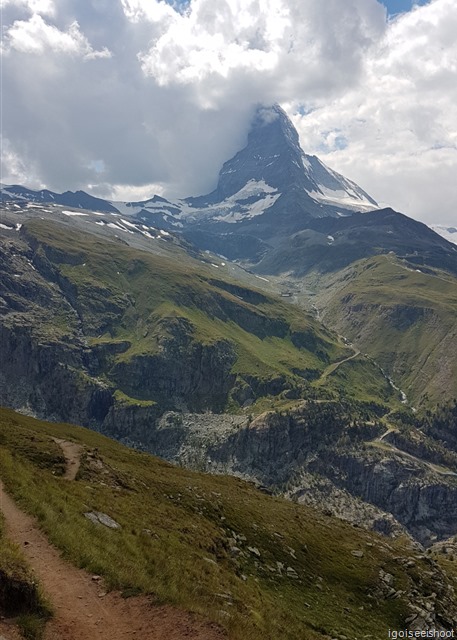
[(135, 94)]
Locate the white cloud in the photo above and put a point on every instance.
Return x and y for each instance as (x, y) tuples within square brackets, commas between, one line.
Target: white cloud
[(36, 36), (395, 133), (45, 7), (152, 10), (168, 95), (15, 168), (121, 192), (276, 46)]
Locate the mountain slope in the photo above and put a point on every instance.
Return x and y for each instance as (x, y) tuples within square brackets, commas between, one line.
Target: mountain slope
[(81, 606), (405, 316), (260, 567), (98, 332), (328, 245)]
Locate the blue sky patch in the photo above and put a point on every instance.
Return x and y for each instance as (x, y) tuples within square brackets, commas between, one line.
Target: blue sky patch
[(393, 6), (179, 5), (400, 6)]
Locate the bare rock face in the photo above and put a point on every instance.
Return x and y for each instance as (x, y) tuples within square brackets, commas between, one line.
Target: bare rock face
[(183, 373), (313, 456), (43, 361), (423, 501)]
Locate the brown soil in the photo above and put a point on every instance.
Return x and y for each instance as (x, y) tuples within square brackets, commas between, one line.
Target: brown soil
[(72, 453), (82, 610), (8, 631)]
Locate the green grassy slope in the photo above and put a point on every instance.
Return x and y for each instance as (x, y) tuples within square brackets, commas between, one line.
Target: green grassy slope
[(260, 566), (160, 329), (140, 289), (406, 319), (359, 379)]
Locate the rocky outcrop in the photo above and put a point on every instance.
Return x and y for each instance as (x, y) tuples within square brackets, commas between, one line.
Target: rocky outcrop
[(318, 455), (183, 373), (429, 595), (422, 501)]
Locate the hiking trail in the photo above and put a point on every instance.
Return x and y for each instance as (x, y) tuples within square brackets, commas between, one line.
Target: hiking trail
[(72, 453), (82, 608)]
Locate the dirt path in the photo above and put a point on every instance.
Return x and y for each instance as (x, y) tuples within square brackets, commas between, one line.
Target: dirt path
[(72, 453), (442, 471), (333, 367), (386, 433), (82, 610), (9, 632)]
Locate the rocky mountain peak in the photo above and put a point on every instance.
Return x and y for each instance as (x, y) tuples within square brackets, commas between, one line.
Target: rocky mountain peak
[(274, 161), (272, 155)]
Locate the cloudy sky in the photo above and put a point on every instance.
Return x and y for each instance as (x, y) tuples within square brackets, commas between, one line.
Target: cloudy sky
[(126, 98)]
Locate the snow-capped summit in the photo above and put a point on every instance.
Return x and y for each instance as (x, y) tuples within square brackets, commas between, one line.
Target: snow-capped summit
[(271, 183), (273, 157)]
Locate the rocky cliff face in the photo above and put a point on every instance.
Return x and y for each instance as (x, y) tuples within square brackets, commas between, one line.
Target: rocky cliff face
[(422, 501), (183, 374), (318, 454), (44, 354)]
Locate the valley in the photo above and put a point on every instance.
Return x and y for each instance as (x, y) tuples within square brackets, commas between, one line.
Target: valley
[(282, 330), (152, 348)]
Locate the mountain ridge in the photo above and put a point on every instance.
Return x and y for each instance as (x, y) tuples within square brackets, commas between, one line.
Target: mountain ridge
[(268, 191)]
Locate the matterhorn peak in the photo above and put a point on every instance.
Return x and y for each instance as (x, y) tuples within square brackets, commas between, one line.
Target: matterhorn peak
[(274, 162)]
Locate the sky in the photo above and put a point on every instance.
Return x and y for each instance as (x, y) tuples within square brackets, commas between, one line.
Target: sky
[(395, 7), (127, 98)]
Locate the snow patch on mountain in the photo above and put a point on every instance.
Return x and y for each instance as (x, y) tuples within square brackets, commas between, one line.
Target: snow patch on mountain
[(449, 233), (132, 208), (250, 201), (347, 198), (331, 188)]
